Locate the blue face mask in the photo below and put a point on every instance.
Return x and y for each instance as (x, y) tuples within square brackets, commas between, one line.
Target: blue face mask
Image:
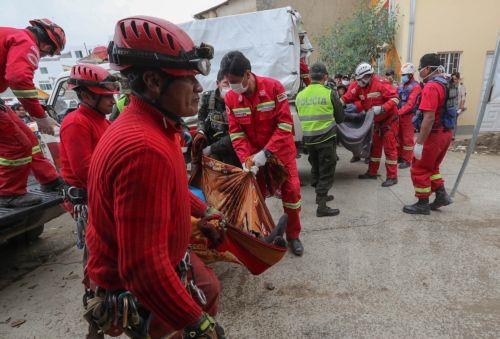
[(405, 78)]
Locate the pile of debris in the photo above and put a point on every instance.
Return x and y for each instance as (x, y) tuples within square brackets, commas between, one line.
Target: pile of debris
[(488, 143)]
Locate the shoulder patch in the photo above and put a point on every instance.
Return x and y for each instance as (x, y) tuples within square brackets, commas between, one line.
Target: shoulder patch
[(281, 97)]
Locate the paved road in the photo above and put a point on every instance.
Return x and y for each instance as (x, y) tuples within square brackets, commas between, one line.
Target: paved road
[(370, 272)]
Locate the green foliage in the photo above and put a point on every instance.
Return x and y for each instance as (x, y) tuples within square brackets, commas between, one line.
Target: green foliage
[(358, 38)]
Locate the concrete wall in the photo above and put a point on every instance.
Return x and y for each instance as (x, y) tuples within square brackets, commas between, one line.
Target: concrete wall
[(318, 15), (466, 26)]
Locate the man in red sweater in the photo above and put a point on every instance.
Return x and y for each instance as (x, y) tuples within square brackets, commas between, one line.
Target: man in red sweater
[(20, 50), (139, 203), (374, 93), (82, 129)]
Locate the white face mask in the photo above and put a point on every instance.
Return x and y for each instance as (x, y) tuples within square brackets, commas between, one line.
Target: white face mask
[(238, 88), (345, 83), (223, 91)]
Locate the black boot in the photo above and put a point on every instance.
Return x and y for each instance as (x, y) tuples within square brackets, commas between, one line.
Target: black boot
[(390, 182), (355, 159), (442, 199), (53, 186), (328, 198), (404, 164), (420, 207), (24, 200), (323, 210), (296, 246), (367, 176)]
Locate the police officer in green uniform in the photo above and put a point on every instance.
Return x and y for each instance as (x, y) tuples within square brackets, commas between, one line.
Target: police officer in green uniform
[(320, 110), (214, 124)]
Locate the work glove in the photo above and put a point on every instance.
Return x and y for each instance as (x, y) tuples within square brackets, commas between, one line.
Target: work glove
[(248, 167), (213, 225), (205, 328), (207, 151), (350, 108), (378, 110), (418, 149), (260, 158), (46, 124)]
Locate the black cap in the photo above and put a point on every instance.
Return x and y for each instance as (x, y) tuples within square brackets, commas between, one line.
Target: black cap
[(318, 70), (430, 59)]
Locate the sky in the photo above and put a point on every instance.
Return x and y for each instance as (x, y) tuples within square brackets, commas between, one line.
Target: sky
[(92, 21)]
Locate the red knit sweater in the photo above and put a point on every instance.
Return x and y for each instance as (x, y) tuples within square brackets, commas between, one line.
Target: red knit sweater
[(139, 213), (80, 132)]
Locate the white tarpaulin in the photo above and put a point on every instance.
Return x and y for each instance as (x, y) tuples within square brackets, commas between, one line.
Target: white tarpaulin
[(269, 39)]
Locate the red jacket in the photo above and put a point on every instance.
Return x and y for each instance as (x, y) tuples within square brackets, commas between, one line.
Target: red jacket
[(262, 121), (139, 213), (80, 132), (409, 105), (19, 56), (379, 92)]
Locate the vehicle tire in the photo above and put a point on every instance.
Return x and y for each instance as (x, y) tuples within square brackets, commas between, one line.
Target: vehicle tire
[(34, 233)]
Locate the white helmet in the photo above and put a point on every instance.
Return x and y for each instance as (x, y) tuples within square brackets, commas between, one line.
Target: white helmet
[(363, 69), (408, 68)]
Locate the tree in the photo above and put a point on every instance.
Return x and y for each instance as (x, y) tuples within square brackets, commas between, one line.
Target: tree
[(368, 32)]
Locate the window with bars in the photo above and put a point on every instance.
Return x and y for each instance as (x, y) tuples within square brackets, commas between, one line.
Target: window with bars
[(450, 61)]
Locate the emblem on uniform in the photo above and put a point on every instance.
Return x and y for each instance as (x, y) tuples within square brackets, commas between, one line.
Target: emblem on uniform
[(281, 97), (262, 92)]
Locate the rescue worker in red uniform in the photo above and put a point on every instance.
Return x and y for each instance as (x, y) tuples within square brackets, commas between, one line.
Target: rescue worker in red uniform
[(20, 51), (409, 94), (84, 127), (372, 92), (80, 132), (432, 142), (139, 203), (260, 124)]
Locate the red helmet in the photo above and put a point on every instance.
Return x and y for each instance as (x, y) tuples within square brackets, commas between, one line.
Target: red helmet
[(148, 41), (95, 78), (53, 31)]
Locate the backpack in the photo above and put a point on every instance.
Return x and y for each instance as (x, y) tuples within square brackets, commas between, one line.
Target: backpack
[(404, 93), (448, 116)]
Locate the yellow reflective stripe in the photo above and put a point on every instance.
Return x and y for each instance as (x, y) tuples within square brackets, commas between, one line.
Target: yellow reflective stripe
[(25, 93), (391, 162), (237, 135), (436, 176), (408, 148), (245, 110), (422, 190), (15, 162), (375, 159), (396, 100), (373, 95), (267, 104), (36, 149), (285, 127), (292, 205)]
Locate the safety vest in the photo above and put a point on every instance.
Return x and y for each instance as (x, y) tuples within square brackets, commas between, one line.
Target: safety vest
[(315, 109)]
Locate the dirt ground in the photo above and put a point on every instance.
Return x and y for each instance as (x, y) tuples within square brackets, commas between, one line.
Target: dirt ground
[(372, 271), (488, 143)]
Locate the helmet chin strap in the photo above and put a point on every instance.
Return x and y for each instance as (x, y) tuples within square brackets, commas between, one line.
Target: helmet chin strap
[(94, 107)]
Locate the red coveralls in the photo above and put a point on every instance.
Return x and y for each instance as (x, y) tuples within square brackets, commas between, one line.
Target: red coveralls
[(265, 121), (80, 132), (379, 92), (140, 218), (304, 72), (19, 148), (406, 114), (425, 172)]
